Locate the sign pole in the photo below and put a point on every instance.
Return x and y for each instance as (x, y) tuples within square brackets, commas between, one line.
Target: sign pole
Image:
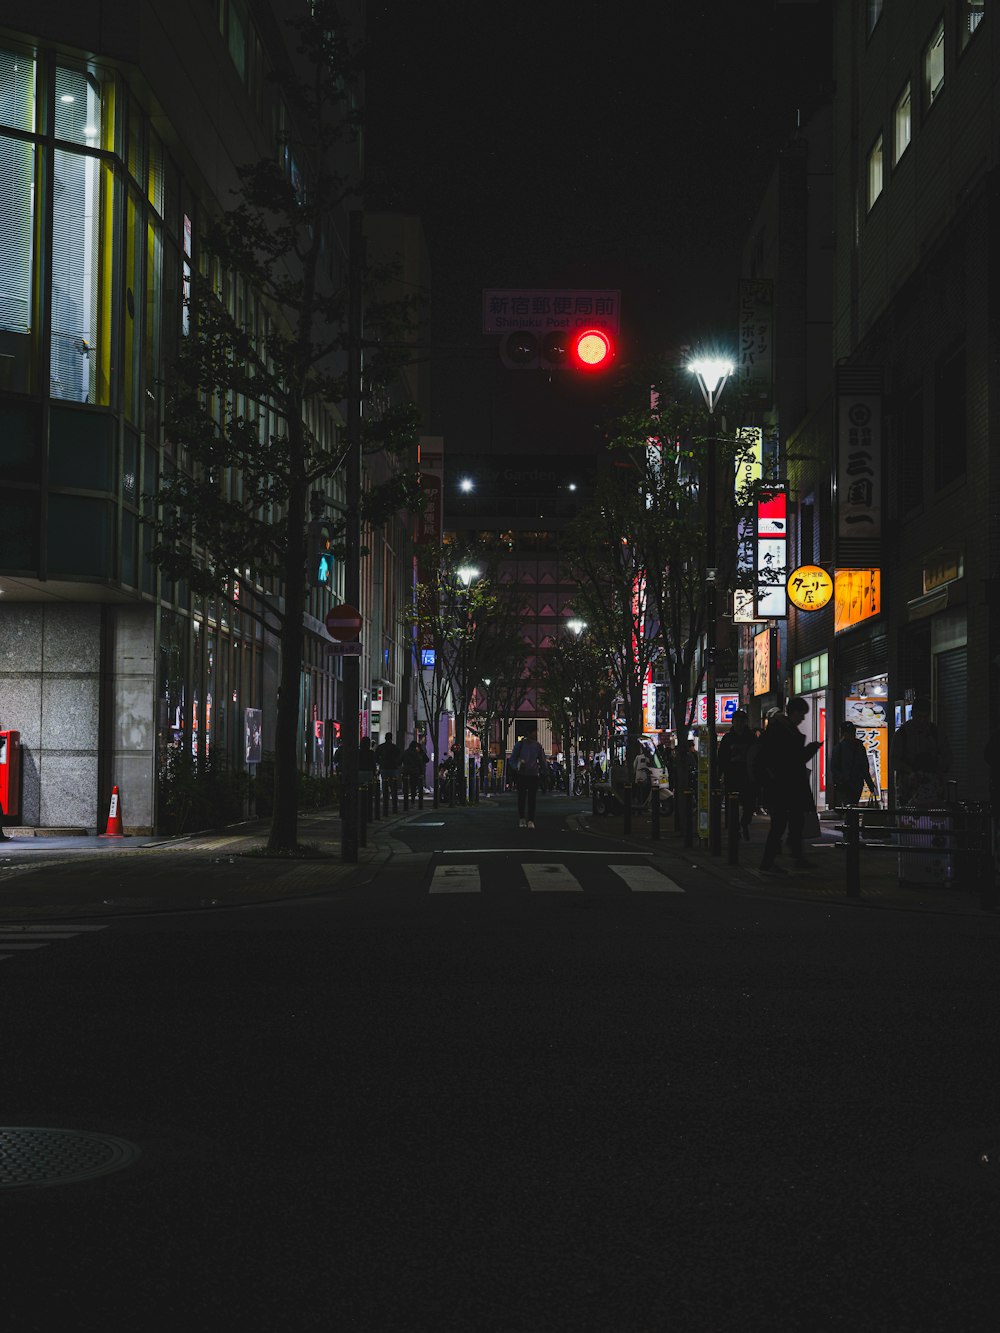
[(352, 539)]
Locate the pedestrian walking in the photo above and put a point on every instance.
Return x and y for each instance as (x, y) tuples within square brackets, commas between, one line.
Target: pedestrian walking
[(920, 757), (389, 759), (415, 761), (733, 750), (782, 765), (850, 771), (527, 760)]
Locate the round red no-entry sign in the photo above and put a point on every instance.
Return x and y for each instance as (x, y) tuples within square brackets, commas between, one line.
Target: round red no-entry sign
[(343, 622)]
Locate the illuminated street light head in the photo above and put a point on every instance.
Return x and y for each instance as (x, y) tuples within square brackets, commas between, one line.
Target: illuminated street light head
[(466, 484), (577, 626), (467, 573), (712, 374)]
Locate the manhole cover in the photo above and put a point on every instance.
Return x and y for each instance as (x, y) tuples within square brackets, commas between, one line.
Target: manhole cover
[(33, 1156)]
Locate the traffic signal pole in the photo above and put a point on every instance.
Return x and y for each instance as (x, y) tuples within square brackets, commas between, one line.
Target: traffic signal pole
[(351, 711)]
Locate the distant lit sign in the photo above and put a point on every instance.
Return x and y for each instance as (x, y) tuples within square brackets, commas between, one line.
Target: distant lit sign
[(809, 588), (772, 554), (725, 706), (762, 662), (427, 658), (857, 597)]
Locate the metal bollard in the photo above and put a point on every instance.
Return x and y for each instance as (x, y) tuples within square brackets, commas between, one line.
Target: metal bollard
[(627, 799), (852, 838), (386, 784), (688, 795), (733, 825), (473, 785), (654, 813), (363, 816)]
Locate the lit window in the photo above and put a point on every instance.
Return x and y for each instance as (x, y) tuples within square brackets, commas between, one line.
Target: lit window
[(874, 14), (875, 171), (901, 125), (970, 15), (934, 65)]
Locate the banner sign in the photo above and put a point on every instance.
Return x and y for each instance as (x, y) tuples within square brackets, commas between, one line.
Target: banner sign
[(771, 602), (859, 455), (756, 338)]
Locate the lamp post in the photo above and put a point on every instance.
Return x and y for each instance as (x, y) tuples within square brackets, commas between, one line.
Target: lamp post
[(712, 375), (576, 626), (465, 574)]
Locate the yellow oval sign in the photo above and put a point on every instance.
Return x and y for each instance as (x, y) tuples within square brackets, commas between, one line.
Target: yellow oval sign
[(809, 587)]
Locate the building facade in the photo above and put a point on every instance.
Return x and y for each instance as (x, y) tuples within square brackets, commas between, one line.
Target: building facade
[(121, 131)]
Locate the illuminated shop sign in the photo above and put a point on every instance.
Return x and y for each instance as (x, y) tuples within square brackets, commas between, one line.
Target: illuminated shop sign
[(772, 554), (857, 597), (762, 662), (809, 588)]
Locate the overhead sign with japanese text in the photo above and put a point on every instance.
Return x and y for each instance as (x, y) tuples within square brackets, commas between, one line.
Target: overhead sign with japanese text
[(857, 597), (540, 310)]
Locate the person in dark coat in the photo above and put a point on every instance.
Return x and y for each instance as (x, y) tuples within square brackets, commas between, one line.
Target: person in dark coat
[(733, 750), (782, 766), (389, 758), (850, 771), (415, 761)]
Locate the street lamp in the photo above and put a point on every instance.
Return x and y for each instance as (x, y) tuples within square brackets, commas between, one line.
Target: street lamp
[(712, 375), (576, 627)]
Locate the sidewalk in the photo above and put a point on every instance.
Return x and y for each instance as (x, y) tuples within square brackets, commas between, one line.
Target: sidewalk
[(75, 875), (880, 884)]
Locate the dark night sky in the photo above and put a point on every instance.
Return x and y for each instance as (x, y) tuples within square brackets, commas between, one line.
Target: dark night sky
[(582, 145)]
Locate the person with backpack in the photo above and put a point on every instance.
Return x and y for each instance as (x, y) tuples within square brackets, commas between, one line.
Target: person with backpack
[(920, 757), (527, 760)]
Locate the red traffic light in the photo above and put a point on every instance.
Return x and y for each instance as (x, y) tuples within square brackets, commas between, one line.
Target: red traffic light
[(592, 349)]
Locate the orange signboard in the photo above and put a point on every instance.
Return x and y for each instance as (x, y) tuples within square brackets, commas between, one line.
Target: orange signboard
[(857, 596)]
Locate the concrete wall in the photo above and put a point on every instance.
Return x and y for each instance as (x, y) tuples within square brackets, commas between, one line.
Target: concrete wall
[(50, 674)]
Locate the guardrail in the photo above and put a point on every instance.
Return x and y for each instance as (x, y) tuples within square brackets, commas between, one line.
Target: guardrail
[(959, 834)]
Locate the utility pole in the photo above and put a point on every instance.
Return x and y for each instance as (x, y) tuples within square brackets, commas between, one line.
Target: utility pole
[(352, 536)]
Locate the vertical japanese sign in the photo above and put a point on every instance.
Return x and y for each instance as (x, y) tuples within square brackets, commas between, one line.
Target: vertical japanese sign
[(772, 554), (857, 596), (756, 338), (859, 462), (748, 472)]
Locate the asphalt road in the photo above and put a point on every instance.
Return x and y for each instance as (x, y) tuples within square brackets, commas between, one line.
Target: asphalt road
[(507, 1080)]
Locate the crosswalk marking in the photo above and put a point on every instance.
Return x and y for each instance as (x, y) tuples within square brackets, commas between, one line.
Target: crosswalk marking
[(550, 879), (21, 938), (456, 879), (646, 879)]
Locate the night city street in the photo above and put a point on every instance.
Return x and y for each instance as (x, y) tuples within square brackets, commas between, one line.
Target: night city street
[(458, 1091)]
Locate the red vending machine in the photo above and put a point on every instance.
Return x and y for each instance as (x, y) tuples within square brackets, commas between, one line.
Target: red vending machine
[(10, 772)]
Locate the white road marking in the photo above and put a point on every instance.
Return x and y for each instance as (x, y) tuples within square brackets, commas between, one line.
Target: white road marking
[(646, 879), (456, 879), (550, 879)]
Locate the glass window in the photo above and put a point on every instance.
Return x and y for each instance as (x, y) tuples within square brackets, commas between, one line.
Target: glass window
[(17, 91), (238, 27), (81, 449), (79, 535), (78, 108), (17, 196), (934, 66), (970, 15), (901, 125), (875, 171), (83, 191)]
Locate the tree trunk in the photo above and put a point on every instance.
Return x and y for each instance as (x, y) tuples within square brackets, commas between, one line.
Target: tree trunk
[(285, 814)]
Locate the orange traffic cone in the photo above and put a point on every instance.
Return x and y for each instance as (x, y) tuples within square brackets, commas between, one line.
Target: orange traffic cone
[(114, 829)]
